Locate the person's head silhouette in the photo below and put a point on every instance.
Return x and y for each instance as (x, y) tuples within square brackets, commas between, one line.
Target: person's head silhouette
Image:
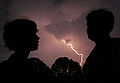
[(99, 24), (20, 35)]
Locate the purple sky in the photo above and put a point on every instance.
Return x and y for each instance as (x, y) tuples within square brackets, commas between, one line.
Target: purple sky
[(57, 20)]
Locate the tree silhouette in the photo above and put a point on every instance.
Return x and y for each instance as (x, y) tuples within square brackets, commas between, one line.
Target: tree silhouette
[(67, 70), (42, 71)]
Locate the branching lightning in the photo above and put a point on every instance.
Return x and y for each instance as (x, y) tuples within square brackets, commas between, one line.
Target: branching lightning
[(71, 46)]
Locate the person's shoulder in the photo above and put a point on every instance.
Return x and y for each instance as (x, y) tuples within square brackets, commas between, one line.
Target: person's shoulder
[(4, 65), (114, 45), (4, 62), (115, 41), (35, 60)]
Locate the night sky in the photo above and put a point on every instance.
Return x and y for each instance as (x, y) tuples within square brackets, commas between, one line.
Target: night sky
[(57, 20)]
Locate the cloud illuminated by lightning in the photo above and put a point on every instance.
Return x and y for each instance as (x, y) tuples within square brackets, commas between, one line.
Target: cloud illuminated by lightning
[(71, 46)]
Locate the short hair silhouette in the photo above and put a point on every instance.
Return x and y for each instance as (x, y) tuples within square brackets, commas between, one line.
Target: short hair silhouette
[(106, 53), (20, 34), (99, 22)]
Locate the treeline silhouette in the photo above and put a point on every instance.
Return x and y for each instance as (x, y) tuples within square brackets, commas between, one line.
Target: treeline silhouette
[(67, 70), (35, 70)]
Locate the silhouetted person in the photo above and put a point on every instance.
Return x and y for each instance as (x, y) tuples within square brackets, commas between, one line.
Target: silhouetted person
[(21, 38), (103, 63)]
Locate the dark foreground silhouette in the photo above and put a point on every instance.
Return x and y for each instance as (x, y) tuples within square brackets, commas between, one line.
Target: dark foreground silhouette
[(103, 63), (67, 70), (20, 37)]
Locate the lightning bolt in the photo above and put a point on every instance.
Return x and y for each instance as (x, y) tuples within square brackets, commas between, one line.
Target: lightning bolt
[(71, 46)]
